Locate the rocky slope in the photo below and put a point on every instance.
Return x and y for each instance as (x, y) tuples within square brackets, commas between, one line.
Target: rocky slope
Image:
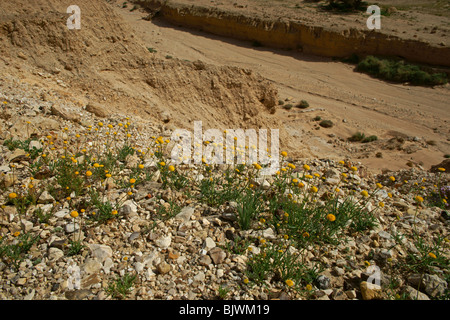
[(178, 247)]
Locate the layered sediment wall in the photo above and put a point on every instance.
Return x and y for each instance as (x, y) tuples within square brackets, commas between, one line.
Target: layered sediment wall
[(310, 39)]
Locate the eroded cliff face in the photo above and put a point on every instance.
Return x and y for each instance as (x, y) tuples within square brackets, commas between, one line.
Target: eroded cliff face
[(310, 39), (107, 63)]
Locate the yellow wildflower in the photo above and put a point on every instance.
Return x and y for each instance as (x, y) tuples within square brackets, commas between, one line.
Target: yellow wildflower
[(257, 166), (289, 283)]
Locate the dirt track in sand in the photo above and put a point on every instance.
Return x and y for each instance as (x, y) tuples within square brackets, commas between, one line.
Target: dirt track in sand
[(354, 102)]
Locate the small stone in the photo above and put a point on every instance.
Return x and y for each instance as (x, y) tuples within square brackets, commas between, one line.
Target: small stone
[(100, 251), (351, 294), (26, 225), (55, 254), (30, 295), (200, 276), (164, 242), (9, 179), (59, 243), (323, 282), (339, 295), (268, 234), (129, 208), (339, 271), (185, 214), (97, 109), (173, 256), (65, 112), (46, 197), (229, 216), (431, 283), (217, 255), (17, 155), (163, 267), (134, 236), (370, 291), (72, 227), (413, 294), (205, 260), (91, 266), (90, 280), (384, 235), (341, 262), (107, 265), (209, 244), (61, 213), (77, 294), (332, 181), (139, 267)]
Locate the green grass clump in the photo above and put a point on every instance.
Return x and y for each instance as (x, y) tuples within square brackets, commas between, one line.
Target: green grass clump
[(121, 287), (13, 252), (361, 137), (326, 123), (400, 71), (302, 104)]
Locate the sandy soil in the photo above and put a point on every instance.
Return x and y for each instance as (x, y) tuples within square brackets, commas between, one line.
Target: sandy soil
[(354, 102)]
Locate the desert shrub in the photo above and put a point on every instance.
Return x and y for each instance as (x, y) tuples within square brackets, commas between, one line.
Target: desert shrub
[(358, 136), (399, 71), (361, 137), (326, 123), (344, 5), (302, 104), (369, 139)]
